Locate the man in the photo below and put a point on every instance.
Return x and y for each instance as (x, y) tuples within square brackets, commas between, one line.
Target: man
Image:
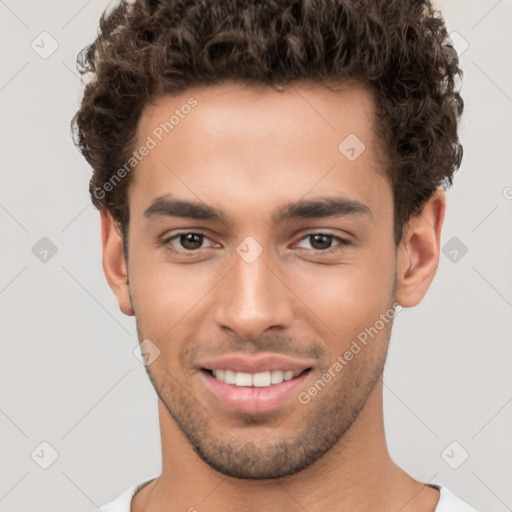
[(269, 178)]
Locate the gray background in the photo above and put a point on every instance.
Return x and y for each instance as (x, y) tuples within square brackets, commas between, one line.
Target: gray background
[(68, 375)]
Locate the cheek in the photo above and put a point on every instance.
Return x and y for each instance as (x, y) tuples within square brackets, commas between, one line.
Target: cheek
[(349, 298), (165, 294)]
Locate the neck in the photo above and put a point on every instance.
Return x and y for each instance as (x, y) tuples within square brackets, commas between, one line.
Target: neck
[(357, 474)]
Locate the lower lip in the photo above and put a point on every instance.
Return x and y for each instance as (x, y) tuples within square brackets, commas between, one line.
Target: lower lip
[(254, 400)]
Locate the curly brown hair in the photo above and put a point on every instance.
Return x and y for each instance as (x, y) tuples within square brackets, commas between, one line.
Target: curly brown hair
[(400, 48)]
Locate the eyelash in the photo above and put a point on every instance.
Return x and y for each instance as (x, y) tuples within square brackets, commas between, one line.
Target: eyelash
[(342, 242)]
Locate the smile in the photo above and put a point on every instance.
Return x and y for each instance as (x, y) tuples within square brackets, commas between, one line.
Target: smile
[(254, 393), (257, 380)]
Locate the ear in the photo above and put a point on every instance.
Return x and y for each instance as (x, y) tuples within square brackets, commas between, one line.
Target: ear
[(114, 263), (418, 252)]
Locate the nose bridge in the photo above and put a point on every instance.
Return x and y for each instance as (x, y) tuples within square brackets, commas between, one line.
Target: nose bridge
[(252, 298)]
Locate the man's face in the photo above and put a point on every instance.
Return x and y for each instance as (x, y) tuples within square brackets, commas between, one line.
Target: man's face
[(256, 292)]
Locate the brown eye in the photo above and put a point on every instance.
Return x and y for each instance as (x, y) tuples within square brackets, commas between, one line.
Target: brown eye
[(191, 241), (320, 241), (323, 242), (186, 241)]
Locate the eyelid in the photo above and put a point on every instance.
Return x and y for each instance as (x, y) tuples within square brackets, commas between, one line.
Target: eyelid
[(342, 241), (166, 241)]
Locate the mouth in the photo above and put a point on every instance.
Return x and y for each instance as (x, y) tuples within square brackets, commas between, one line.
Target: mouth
[(254, 384), (257, 380)]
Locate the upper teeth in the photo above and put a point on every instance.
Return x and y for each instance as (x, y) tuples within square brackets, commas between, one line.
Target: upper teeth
[(258, 380)]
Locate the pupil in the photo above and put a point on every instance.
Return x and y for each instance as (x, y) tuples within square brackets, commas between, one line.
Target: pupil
[(321, 241), (191, 240)]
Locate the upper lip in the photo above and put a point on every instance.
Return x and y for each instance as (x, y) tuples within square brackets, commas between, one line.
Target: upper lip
[(255, 363)]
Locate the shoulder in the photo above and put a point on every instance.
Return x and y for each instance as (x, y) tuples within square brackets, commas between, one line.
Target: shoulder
[(123, 502), (449, 502)]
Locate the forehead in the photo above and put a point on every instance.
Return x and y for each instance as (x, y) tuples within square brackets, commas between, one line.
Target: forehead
[(230, 142), (236, 108)]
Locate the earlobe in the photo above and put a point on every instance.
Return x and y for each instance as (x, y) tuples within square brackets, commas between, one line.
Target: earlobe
[(418, 252), (113, 261)]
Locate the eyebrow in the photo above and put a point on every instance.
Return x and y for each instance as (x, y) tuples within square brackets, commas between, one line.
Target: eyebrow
[(167, 206)]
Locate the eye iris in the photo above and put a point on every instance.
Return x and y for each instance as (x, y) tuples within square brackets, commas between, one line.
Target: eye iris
[(320, 241), (191, 241)]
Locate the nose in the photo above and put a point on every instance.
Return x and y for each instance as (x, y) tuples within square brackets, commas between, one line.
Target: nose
[(252, 298)]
